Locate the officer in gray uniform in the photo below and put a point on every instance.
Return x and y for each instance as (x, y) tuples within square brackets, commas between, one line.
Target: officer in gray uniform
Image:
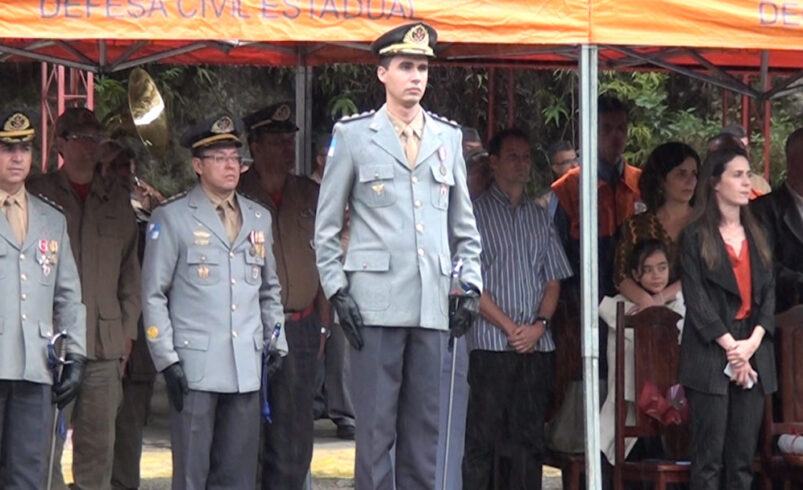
[(401, 172), (41, 293), (212, 306)]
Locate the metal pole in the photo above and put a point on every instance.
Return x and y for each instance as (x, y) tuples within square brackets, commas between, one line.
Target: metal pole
[(452, 374), (491, 96), (766, 131), (303, 116), (588, 260)]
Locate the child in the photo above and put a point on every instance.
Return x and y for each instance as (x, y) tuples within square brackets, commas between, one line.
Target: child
[(649, 267)]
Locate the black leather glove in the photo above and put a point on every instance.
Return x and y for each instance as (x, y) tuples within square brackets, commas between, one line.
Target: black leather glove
[(176, 385), (463, 310), (274, 364), (349, 315), (68, 386)]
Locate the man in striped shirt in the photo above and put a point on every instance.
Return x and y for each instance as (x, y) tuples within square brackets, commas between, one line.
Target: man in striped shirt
[(511, 364)]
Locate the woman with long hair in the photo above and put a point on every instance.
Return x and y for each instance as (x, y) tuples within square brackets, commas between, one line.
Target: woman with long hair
[(667, 185), (727, 364)]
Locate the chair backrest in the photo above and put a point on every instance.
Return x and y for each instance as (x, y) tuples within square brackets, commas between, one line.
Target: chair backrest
[(789, 359), (656, 352)]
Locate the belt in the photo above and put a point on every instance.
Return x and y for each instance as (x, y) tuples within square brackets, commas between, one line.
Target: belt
[(297, 316)]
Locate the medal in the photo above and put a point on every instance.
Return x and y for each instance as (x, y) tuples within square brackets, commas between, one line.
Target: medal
[(254, 272), (378, 188), (43, 246), (203, 272), (46, 268), (442, 155)]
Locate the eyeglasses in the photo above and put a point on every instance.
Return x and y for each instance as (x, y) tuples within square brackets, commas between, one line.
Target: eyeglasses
[(225, 159), (82, 137)]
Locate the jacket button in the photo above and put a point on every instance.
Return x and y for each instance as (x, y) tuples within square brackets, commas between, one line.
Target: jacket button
[(420, 228), (24, 316), (420, 252), (186, 342), (23, 277), (414, 179), (364, 265), (234, 334), (417, 203), (23, 297), (233, 280), (233, 307), (22, 256), (203, 258), (231, 255)]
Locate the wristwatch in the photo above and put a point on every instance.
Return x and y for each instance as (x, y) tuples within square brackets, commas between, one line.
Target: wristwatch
[(543, 320)]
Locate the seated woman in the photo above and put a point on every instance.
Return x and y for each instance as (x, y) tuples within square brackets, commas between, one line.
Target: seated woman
[(649, 270), (667, 186)]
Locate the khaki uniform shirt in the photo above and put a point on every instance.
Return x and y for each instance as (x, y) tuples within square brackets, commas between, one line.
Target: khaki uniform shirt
[(103, 235), (22, 201), (293, 236)]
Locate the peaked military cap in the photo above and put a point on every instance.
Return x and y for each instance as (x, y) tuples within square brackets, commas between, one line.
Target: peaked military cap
[(276, 118), (212, 131), (414, 39), (76, 119), (16, 127)]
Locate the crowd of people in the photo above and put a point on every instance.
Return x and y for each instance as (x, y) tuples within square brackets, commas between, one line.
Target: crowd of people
[(413, 264)]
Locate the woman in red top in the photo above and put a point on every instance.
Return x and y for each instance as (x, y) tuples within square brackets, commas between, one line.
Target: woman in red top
[(727, 364)]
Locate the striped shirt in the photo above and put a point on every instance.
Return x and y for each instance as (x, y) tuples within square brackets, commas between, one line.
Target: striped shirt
[(520, 254)]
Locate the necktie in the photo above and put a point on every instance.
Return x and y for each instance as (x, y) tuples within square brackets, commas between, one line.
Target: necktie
[(410, 146), (13, 212), (226, 213)]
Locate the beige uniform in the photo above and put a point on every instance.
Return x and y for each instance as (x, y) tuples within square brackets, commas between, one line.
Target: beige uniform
[(103, 235)]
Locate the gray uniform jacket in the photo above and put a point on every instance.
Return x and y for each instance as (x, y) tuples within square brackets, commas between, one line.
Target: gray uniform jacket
[(41, 289), (210, 305), (406, 225)]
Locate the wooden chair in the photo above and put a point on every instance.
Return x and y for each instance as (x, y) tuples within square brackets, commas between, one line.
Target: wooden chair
[(788, 418), (656, 352)]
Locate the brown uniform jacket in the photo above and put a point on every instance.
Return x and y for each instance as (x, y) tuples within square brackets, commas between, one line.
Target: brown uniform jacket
[(293, 236), (103, 236)]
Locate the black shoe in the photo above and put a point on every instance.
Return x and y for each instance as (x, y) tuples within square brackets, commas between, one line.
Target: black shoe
[(345, 432)]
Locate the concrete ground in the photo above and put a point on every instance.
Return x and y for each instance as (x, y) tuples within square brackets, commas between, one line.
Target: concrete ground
[(332, 460)]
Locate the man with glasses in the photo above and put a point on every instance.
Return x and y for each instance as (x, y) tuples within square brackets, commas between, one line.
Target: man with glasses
[(41, 288), (212, 306), (291, 200), (103, 235), (562, 157)]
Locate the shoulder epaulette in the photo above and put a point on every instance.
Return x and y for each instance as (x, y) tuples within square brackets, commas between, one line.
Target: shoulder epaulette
[(354, 117), (442, 119), (52, 203), (172, 198)]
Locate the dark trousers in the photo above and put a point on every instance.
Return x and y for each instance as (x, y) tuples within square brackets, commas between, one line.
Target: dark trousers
[(509, 395), (288, 438), (724, 432), (128, 439), (214, 441), (332, 398), (26, 419)]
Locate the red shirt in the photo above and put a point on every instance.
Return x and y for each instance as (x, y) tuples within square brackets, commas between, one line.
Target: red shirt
[(741, 269), (82, 190)]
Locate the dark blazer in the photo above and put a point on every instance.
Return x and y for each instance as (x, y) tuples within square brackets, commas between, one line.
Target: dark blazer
[(712, 300), (778, 212)]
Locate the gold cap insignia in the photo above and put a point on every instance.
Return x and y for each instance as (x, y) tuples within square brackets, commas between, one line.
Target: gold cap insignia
[(417, 35), (17, 122), (282, 113), (223, 125)]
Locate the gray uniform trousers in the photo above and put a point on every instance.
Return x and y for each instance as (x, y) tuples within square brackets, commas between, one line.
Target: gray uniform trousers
[(396, 385), (215, 440), (25, 416), (454, 480)]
